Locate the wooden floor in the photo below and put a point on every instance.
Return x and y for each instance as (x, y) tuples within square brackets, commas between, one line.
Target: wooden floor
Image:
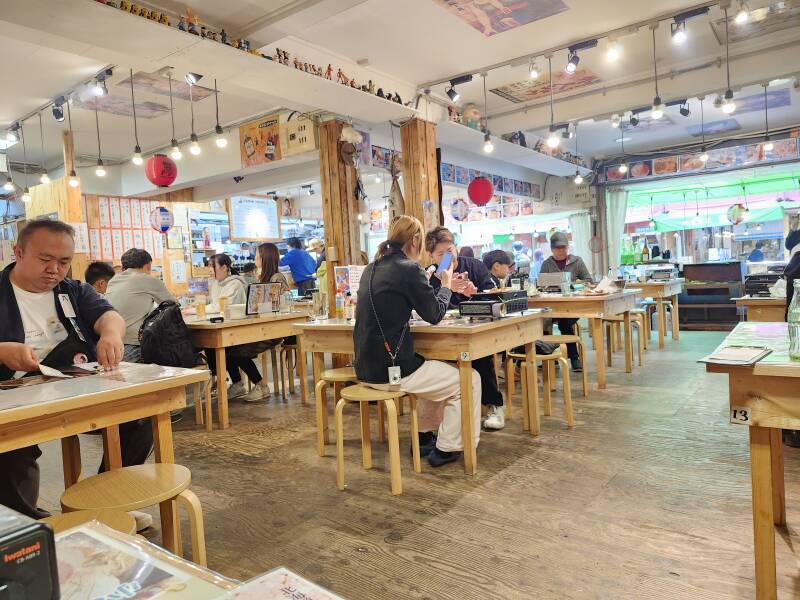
[(648, 497)]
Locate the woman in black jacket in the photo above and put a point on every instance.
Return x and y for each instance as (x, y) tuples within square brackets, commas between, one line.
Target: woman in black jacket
[(390, 288)]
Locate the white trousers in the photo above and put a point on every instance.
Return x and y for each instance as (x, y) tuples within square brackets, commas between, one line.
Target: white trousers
[(437, 386)]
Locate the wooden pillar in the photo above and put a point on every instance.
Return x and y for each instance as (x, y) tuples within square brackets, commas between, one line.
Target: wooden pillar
[(339, 206), (421, 171)]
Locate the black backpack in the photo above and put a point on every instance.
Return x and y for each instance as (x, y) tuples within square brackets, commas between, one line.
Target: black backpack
[(165, 340)]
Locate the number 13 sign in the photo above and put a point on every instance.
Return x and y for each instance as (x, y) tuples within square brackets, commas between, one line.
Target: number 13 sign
[(740, 415)]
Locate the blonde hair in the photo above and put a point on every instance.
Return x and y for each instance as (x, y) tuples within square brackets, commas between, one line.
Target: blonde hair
[(403, 230)]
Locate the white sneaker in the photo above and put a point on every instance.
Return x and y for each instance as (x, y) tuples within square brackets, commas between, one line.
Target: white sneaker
[(236, 390), (259, 391), (496, 418), (143, 520)]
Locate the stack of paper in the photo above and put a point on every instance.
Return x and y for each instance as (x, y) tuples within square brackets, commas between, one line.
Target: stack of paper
[(736, 355)]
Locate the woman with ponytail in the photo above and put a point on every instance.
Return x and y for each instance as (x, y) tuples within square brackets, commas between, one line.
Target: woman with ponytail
[(391, 287)]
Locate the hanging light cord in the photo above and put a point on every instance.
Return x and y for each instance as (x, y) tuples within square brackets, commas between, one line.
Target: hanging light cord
[(191, 106), (576, 143), (171, 110), (69, 118), (485, 108), (41, 140), (655, 67), (24, 152), (727, 51), (97, 126), (133, 106), (766, 111), (216, 102), (703, 123), (550, 67)]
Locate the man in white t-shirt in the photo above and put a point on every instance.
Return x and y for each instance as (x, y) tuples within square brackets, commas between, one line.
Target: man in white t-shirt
[(48, 318)]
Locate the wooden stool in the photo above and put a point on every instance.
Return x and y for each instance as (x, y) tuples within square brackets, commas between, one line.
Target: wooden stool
[(115, 519), (288, 359), (137, 487), (641, 315), (198, 404), (338, 377), (364, 395), (547, 360), (612, 324), (563, 340)]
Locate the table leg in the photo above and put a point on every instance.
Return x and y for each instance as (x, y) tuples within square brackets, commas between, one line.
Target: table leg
[(763, 528), (112, 451), (276, 375), (467, 426), (532, 385), (778, 491), (222, 388), (264, 369), (675, 320), (626, 318), (597, 334), (71, 458), (165, 453), (301, 370), (662, 322)]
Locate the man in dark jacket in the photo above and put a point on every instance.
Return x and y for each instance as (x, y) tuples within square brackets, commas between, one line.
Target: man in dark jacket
[(46, 318), (563, 262), (438, 242), (498, 263)]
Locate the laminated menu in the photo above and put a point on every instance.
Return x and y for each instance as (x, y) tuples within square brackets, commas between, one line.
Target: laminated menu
[(280, 584)]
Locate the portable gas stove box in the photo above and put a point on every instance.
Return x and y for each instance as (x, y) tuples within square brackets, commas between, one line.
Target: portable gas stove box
[(514, 300), (28, 568)]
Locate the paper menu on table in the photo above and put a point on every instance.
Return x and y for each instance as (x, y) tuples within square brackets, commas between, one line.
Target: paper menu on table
[(105, 214), (737, 355), (280, 584)]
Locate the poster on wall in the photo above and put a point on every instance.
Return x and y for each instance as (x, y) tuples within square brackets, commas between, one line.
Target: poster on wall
[(448, 173), (116, 215), (105, 215), (125, 212), (497, 16), (138, 238), (665, 166), (136, 215), (95, 250), (106, 247), (127, 240), (253, 219), (260, 141), (116, 242), (144, 217), (288, 207)]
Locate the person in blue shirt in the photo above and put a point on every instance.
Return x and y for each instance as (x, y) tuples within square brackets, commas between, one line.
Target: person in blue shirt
[(301, 264), (757, 255)]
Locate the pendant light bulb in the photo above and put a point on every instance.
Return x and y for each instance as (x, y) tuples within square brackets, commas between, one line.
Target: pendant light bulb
[(194, 147), (100, 171), (533, 70), (12, 136), (612, 52), (553, 140), (703, 155), (615, 121), (658, 108), (578, 178), (175, 153), (9, 184), (623, 167), (651, 224), (728, 105), (678, 32), (73, 179), (26, 196), (769, 146), (44, 178), (137, 156), (742, 15), (221, 140), (488, 146)]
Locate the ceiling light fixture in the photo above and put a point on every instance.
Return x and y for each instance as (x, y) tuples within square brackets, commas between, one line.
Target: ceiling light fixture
[(658, 107), (678, 32), (44, 178), (684, 109), (99, 87), (192, 78), (11, 135), (100, 171), (768, 145), (743, 14), (137, 150), (578, 180), (58, 109), (533, 69), (572, 62), (9, 184), (615, 120), (73, 177), (552, 140), (728, 105), (26, 193), (221, 140), (488, 146), (634, 119), (703, 151), (194, 146), (452, 92), (175, 151), (613, 50)]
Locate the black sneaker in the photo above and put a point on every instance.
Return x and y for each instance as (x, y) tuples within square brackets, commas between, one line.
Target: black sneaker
[(427, 442), (577, 366), (437, 457)]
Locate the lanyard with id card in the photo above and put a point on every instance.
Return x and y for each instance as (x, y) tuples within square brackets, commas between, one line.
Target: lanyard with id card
[(394, 372), (69, 313)]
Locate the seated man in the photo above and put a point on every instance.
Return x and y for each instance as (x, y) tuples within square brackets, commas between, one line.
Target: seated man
[(499, 265), (563, 262), (438, 242), (47, 318), (302, 265), (98, 274), (134, 293)]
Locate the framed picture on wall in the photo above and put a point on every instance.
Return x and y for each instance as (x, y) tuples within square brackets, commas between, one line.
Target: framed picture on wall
[(175, 238)]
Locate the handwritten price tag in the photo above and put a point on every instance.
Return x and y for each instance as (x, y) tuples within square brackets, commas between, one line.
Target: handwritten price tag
[(740, 415)]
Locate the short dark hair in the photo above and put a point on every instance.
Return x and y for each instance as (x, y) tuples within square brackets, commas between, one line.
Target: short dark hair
[(223, 260), (135, 258), (467, 251), (249, 267), (437, 235), (496, 256), (97, 271), (294, 242), (35, 225)]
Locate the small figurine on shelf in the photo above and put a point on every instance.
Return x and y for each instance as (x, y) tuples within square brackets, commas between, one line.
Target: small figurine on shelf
[(305, 67), (125, 5), (286, 58), (341, 77), (211, 35), (329, 72), (143, 12), (154, 15), (379, 93), (223, 37), (278, 55), (371, 87), (164, 20), (364, 88), (396, 98), (296, 63), (134, 9), (353, 83), (203, 33), (183, 24), (111, 3), (194, 22)]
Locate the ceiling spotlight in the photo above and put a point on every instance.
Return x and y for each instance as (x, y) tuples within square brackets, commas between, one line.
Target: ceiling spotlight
[(615, 120), (678, 30), (26, 196), (12, 135), (553, 140), (73, 179), (613, 51), (453, 94), (44, 179), (703, 155), (572, 62), (728, 105), (488, 146), (684, 109), (193, 78), (634, 120), (100, 171), (221, 140), (9, 184), (99, 87), (137, 156), (658, 108), (58, 109), (623, 167), (533, 69), (175, 153), (194, 147), (578, 178), (718, 102), (742, 15)]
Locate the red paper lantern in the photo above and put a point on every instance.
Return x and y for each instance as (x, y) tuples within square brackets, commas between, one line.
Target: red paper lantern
[(161, 170), (480, 191)]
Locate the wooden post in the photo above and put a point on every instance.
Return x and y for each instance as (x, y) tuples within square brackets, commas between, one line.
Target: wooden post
[(420, 171), (339, 207)]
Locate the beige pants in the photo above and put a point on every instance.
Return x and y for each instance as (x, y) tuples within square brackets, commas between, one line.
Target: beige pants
[(437, 386)]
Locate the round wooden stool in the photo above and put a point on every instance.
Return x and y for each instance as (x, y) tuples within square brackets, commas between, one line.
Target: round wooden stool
[(115, 519), (547, 360), (137, 487), (613, 342), (562, 341), (364, 395), (338, 377)]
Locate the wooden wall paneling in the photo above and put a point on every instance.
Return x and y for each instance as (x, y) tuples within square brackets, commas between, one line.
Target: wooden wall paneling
[(420, 170)]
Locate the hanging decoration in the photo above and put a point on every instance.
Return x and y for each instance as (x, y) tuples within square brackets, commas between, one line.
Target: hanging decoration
[(480, 190), (161, 219), (736, 213), (161, 170)]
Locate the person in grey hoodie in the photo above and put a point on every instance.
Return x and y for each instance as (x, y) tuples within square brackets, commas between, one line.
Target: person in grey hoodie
[(563, 262)]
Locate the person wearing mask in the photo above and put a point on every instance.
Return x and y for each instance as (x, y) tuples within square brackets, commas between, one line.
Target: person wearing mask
[(97, 275), (134, 293), (301, 264), (499, 265), (757, 255), (474, 276), (391, 287), (232, 286), (563, 262), (47, 318)]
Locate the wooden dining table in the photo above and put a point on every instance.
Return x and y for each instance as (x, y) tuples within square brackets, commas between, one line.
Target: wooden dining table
[(458, 340), (593, 307), (764, 398), (762, 309), (233, 332), (59, 409), (662, 291)]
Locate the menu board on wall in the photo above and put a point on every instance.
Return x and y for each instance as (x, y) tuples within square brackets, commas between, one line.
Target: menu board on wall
[(253, 219)]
